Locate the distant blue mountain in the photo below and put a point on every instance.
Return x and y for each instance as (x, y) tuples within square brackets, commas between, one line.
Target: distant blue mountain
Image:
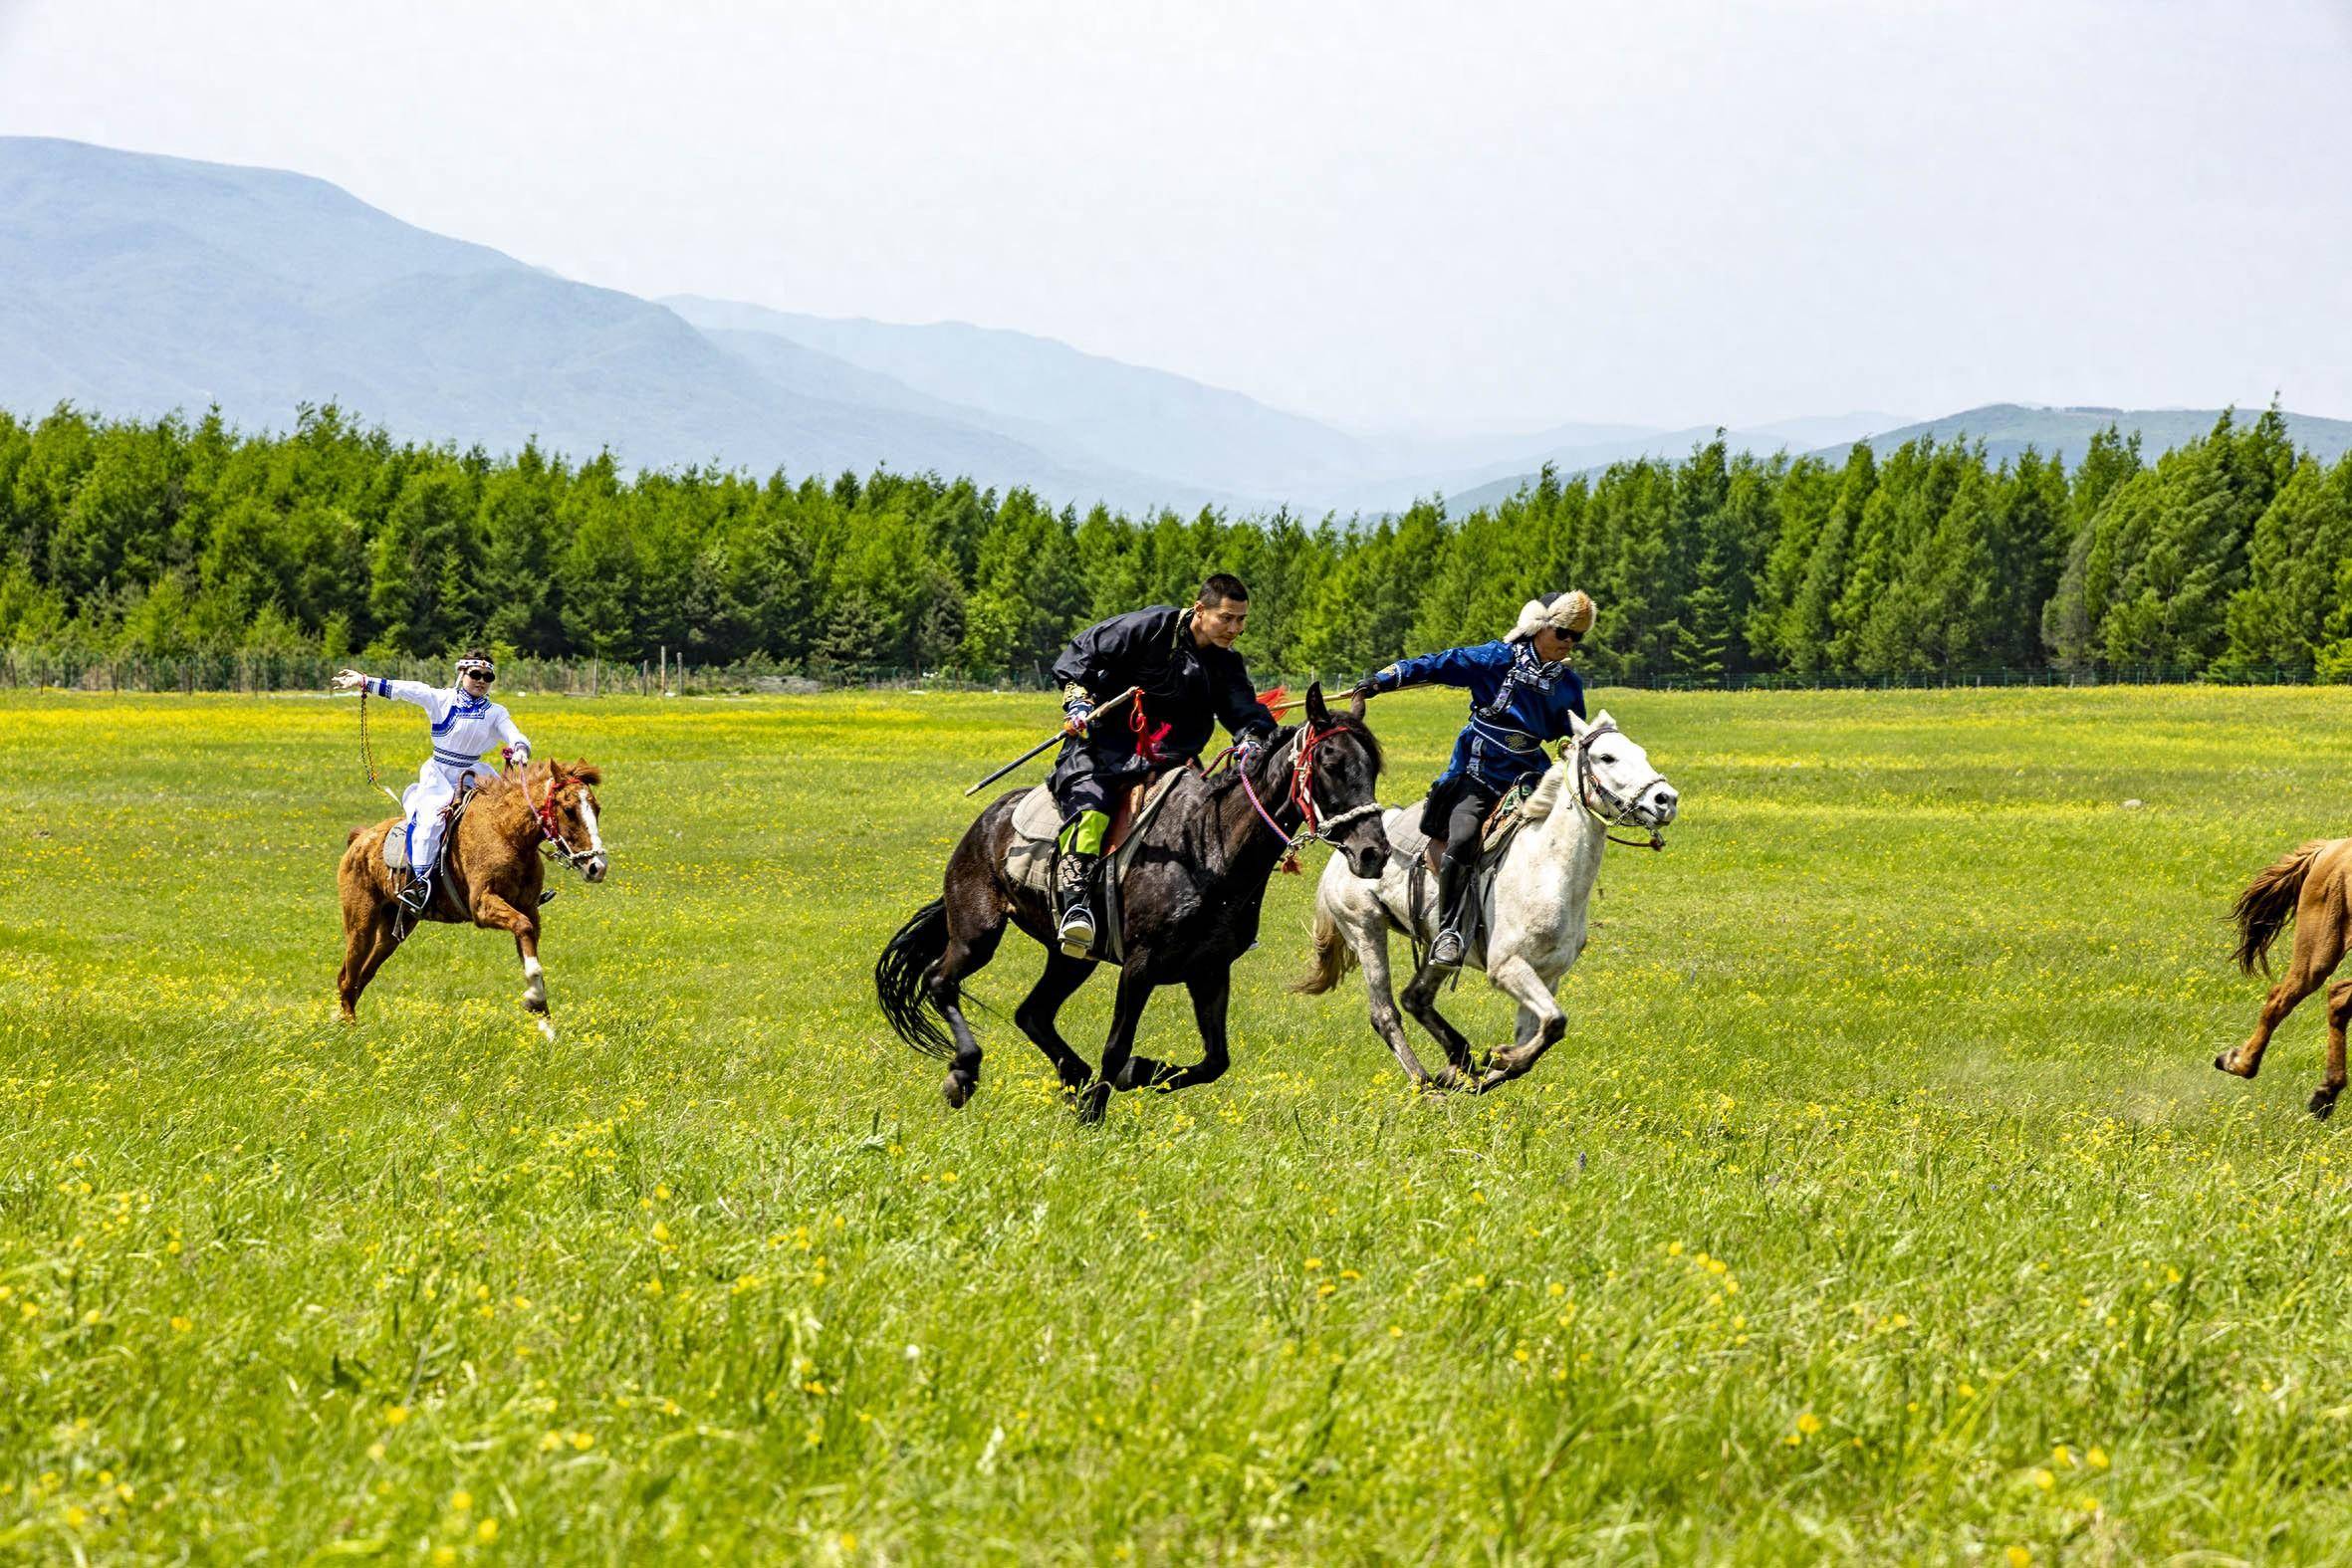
[(2008, 429), (138, 284), (135, 284)]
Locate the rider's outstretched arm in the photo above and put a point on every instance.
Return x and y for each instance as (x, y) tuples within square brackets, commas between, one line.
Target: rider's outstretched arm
[(416, 692), (1447, 667)]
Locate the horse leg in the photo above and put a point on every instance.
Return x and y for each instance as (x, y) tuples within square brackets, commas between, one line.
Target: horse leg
[(1037, 1011), (1420, 1001), (1125, 1017), (2320, 947), (2339, 1013), (1210, 993), (494, 913), (1371, 954), (364, 952), (358, 941), (968, 952), (1536, 1006)]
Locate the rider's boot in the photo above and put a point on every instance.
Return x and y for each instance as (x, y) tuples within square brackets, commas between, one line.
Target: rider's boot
[(1454, 886), (1075, 931), (416, 893)]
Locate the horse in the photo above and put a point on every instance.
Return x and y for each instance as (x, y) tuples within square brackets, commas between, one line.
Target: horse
[(490, 876), (2313, 887), (1534, 909), (1189, 902)]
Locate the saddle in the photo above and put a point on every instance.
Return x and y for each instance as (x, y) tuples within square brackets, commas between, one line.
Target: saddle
[(1427, 854), (1036, 823), (396, 846)]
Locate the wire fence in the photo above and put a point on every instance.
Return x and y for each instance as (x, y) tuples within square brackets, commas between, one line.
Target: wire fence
[(666, 675)]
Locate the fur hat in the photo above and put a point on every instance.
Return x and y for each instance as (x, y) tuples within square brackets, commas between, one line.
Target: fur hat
[(1569, 612)]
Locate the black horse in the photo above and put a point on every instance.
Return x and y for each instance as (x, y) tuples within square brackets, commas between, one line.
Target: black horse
[(1190, 908)]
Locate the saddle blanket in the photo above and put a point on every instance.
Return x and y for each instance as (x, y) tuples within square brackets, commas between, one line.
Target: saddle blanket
[(1036, 822)]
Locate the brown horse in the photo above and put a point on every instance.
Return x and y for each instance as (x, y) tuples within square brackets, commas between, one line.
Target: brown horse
[(491, 876), (2313, 888)]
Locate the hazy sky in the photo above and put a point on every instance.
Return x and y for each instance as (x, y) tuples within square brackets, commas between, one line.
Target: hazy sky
[(1651, 212)]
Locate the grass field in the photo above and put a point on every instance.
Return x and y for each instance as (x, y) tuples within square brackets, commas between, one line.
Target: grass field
[(1880, 1204)]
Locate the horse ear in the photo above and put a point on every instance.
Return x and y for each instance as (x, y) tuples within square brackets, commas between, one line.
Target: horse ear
[(1356, 706), (1319, 713), (1576, 725), (1602, 720), (588, 773)]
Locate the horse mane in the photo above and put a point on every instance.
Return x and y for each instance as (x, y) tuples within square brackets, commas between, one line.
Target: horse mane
[(1223, 781), (540, 769), (1545, 799)]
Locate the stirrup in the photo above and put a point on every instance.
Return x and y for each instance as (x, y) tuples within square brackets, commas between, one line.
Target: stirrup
[(1447, 951), (1077, 931), (415, 895)]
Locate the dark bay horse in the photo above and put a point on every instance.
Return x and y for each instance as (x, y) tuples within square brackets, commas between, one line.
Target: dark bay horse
[(491, 877), (1191, 903)]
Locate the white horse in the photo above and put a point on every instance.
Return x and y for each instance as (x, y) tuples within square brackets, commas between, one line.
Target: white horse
[(1534, 910)]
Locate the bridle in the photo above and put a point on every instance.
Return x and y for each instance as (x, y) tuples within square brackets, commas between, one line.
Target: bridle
[(552, 844), (1603, 804), (1313, 824)]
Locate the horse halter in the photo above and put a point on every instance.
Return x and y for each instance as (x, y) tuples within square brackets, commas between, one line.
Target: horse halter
[(1601, 804), (1313, 824)]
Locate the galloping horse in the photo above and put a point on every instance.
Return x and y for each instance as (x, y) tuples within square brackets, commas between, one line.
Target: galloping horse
[(1190, 904), (1534, 911), (2313, 888), (493, 875)]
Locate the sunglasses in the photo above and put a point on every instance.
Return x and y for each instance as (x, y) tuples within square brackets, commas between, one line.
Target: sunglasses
[(484, 676)]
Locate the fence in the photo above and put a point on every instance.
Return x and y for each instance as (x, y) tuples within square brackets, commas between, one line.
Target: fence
[(262, 672)]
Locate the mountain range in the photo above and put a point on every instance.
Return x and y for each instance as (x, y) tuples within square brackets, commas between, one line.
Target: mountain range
[(138, 284)]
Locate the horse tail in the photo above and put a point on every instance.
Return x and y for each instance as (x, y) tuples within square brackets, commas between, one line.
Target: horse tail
[(1332, 953), (2268, 903), (899, 975)]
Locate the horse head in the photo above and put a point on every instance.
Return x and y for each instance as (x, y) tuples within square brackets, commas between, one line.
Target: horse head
[(565, 803), (1612, 774), (1342, 779)]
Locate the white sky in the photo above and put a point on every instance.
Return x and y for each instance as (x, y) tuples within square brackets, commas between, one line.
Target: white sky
[(1430, 213)]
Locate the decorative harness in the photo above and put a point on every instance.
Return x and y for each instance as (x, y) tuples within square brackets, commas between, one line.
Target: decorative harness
[(1605, 806), (552, 843), (1311, 823)]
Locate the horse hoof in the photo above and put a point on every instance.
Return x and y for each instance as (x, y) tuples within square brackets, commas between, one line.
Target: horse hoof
[(2323, 1103), (958, 1090), (547, 1026), (2223, 1061), (1092, 1103)]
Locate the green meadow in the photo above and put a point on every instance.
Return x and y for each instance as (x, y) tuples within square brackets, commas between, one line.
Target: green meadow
[(1881, 1203)]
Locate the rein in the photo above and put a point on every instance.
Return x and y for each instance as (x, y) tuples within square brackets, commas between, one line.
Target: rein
[(1619, 811), (367, 750)]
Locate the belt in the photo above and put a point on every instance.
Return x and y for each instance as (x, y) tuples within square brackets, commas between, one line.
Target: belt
[(455, 759), (1517, 739)]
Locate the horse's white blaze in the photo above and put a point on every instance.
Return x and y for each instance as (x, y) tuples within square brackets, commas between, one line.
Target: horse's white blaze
[(587, 813)]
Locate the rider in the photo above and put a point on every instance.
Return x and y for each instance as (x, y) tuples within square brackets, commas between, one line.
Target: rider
[(1189, 678), (1521, 692), (464, 722)]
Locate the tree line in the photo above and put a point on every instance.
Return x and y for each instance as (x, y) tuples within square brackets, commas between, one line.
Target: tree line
[(162, 539)]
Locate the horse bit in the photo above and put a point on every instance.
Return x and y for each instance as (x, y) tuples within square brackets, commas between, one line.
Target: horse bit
[(1619, 812)]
